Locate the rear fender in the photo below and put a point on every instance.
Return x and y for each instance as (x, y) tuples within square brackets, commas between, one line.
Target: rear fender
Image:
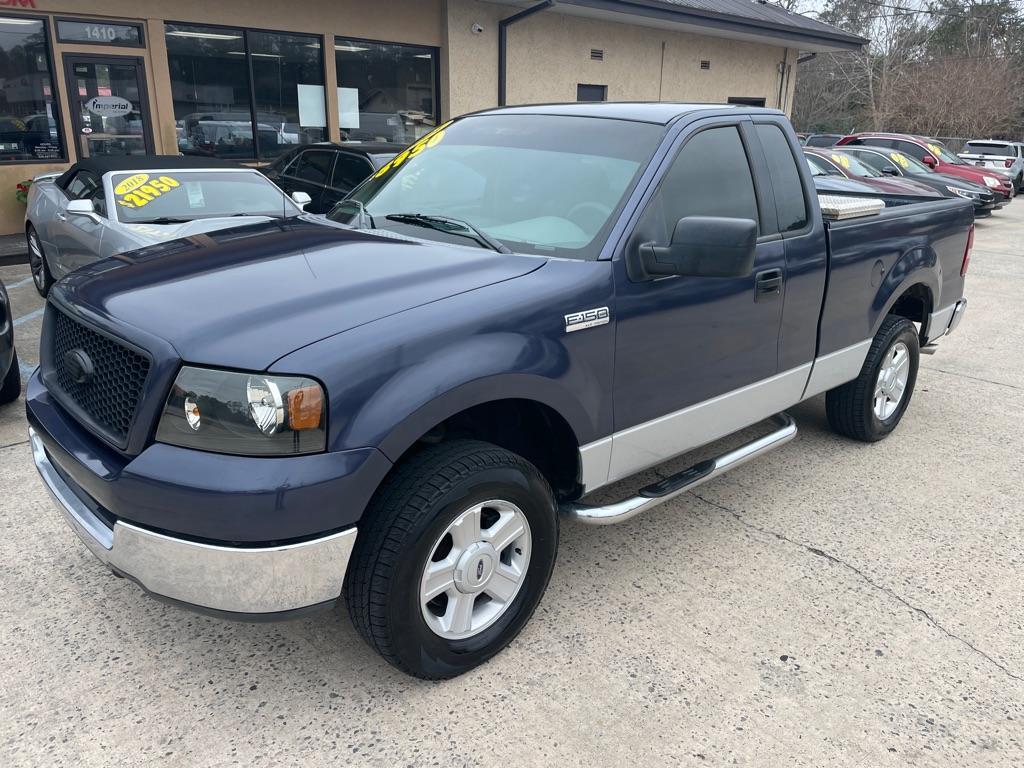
[(918, 266)]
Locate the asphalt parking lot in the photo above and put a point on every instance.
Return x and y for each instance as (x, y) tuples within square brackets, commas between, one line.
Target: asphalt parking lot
[(831, 604)]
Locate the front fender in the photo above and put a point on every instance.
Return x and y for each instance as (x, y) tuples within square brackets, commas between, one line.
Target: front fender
[(464, 375)]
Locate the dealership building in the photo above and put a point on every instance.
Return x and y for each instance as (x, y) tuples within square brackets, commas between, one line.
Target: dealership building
[(249, 79)]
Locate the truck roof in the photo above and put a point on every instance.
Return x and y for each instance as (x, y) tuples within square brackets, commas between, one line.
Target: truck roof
[(658, 112)]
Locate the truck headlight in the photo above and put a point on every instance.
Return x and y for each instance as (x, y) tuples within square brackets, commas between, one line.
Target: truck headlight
[(246, 414), (990, 182), (964, 193)]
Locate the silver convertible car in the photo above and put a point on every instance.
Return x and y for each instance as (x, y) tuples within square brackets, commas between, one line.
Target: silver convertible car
[(107, 205)]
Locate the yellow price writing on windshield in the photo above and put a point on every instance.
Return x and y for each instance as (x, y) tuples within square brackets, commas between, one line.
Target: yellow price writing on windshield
[(843, 160), (900, 159), (137, 193), (429, 141), (935, 149)]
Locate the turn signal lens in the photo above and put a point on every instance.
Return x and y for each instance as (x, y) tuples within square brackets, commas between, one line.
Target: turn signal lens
[(305, 408)]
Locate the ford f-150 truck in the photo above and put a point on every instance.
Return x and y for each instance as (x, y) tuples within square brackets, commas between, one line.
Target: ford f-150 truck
[(396, 406)]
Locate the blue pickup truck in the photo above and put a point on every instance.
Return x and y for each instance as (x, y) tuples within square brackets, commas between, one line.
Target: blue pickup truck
[(396, 406)]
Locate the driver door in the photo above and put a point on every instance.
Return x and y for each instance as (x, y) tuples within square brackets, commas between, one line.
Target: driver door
[(78, 238), (697, 357)]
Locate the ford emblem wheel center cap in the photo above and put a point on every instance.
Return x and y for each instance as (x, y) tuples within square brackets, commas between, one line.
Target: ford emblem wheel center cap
[(475, 567)]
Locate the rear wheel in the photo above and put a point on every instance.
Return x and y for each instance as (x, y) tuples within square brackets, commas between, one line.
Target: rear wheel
[(454, 556), (872, 405), (10, 388), (41, 275)]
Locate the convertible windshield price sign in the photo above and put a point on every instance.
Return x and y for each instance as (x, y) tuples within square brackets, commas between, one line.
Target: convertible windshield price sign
[(139, 190)]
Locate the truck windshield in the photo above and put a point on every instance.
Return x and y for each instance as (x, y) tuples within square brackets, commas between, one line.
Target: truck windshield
[(541, 184), (177, 196)]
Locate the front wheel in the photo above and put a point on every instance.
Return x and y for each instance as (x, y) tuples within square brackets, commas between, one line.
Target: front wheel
[(41, 275), (872, 405), (453, 557)]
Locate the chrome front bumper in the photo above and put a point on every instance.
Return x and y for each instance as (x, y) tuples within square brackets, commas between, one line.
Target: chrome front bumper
[(235, 580)]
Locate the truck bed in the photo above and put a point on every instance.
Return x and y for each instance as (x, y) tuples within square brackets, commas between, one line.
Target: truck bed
[(869, 258)]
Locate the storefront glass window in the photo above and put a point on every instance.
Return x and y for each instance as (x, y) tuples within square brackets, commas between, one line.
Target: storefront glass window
[(213, 106), (288, 80), (29, 128), (386, 92)]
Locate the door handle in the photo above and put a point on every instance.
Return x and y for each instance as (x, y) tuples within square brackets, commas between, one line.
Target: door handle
[(768, 284), (61, 217)]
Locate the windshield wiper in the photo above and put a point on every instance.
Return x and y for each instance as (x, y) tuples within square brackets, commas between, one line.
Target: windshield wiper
[(451, 226), (162, 220)]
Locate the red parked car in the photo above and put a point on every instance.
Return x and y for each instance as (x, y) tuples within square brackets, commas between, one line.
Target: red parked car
[(935, 156)]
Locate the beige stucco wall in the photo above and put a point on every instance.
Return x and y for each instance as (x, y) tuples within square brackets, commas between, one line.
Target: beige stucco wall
[(549, 54)]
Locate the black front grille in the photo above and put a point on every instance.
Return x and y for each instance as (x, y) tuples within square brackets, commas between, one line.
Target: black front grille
[(110, 396)]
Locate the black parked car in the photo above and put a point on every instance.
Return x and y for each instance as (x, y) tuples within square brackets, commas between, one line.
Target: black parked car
[(328, 172), (10, 374)]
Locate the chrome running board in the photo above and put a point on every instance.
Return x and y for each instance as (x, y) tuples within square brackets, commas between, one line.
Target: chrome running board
[(687, 480)]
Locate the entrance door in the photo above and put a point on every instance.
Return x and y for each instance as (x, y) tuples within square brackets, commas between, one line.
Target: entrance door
[(109, 105)]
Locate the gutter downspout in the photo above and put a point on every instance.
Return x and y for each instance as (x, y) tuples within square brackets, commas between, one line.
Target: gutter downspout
[(503, 26)]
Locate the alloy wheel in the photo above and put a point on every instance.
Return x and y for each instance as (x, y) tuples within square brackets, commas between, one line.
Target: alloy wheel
[(892, 381), (475, 569)]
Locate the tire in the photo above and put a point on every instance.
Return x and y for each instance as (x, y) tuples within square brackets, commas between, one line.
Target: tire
[(404, 531), (853, 409), (42, 278), (10, 388)]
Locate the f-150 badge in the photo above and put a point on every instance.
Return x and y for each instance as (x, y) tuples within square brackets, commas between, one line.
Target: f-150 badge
[(588, 318)]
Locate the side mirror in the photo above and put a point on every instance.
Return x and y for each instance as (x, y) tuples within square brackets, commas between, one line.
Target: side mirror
[(301, 199), (890, 171), (930, 161), (703, 246), (81, 208)]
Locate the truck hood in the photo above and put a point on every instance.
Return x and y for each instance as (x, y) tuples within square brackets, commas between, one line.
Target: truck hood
[(149, 234), (247, 296)]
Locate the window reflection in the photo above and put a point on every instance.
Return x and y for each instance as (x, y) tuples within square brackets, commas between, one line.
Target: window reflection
[(213, 108), (29, 129), (386, 91)]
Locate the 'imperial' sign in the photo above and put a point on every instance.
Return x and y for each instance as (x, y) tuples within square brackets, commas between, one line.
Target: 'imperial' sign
[(17, 3), (108, 106)]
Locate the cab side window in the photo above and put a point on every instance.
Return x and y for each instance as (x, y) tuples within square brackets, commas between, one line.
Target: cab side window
[(786, 181), (709, 177)]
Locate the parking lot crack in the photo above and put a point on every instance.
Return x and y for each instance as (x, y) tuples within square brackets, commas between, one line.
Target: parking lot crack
[(864, 577), (973, 378), (12, 445)]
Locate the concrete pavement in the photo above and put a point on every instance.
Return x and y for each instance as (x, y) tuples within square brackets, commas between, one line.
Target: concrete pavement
[(832, 604)]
